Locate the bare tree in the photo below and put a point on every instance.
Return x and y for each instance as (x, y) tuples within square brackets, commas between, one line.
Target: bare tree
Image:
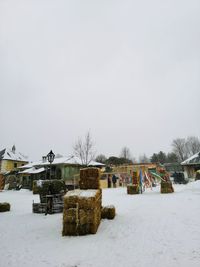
[(180, 148), (101, 158), (83, 149), (125, 153), (192, 145)]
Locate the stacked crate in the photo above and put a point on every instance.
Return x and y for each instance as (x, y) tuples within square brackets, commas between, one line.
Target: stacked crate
[(82, 212)]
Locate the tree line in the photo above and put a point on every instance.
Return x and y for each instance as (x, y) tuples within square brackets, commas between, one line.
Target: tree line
[(182, 148)]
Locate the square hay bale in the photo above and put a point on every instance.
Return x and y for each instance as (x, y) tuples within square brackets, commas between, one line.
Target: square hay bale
[(5, 206), (108, 212), (166, 187), (82, 212), (89, 178), (133, 189)]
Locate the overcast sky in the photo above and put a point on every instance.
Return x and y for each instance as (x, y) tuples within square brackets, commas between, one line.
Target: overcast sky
[(128, 71)]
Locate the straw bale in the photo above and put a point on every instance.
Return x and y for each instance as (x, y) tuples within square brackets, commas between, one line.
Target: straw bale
[(70, 229), (108, 212), (132, 189), (82, 212), (87, 199), (70, 215), (89, 178), (5, 206), (166, 187)]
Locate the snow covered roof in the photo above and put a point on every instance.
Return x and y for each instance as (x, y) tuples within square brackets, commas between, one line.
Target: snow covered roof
[(33, 170), (81, 193), (12, 154), (30, 165), (195, 159), (72, 160), (69, 160)]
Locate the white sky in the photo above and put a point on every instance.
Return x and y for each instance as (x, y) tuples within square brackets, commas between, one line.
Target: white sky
[(128, 71)]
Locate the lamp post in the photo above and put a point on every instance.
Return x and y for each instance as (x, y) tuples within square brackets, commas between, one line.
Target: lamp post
[(50, 158)]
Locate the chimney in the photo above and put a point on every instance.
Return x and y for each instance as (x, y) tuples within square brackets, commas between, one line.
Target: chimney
[(44, 159), (13, 149)]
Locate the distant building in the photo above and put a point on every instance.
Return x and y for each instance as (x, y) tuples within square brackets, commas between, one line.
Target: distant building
[(192, 165), (10, 161), (66, 168)]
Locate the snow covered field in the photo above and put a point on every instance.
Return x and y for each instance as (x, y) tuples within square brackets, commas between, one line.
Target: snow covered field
[(149, 230)]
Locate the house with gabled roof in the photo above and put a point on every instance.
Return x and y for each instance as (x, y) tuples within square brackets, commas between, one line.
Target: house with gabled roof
[(10, 160), (192, 165)]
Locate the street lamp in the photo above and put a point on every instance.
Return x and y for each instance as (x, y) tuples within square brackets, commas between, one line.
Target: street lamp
[(50, 158)]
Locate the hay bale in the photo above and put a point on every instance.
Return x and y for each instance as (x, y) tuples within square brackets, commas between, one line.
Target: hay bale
[(166, 187), (135, 177), (86, 199), (82, 212), (5, 206), (133, 189), (108, 212), (89, 178)]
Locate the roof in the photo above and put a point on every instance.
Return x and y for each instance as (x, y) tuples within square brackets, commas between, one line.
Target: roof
[(33, 170), (63, 160), (195, 159), (12, 154)]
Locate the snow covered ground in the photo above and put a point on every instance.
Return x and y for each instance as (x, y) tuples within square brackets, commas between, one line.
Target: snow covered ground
[(149, 230)]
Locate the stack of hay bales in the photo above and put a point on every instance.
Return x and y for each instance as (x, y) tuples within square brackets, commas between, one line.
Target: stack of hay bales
[(5, 206), (82, 207), (166, 184), (82, 212), (166, 187), (89, 178), (108, 212), (133, 189)]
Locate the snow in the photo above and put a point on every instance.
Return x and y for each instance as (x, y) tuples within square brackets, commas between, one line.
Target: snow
[(13, 155), (72, 160), (151, 229), (33, 170), (82, 193), (192, 160)]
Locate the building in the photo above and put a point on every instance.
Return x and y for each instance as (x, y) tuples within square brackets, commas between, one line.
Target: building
[(191, 165), (65, 168), (10, 161)]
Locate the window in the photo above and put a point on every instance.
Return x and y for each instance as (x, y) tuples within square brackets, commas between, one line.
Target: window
[(15, 165)]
